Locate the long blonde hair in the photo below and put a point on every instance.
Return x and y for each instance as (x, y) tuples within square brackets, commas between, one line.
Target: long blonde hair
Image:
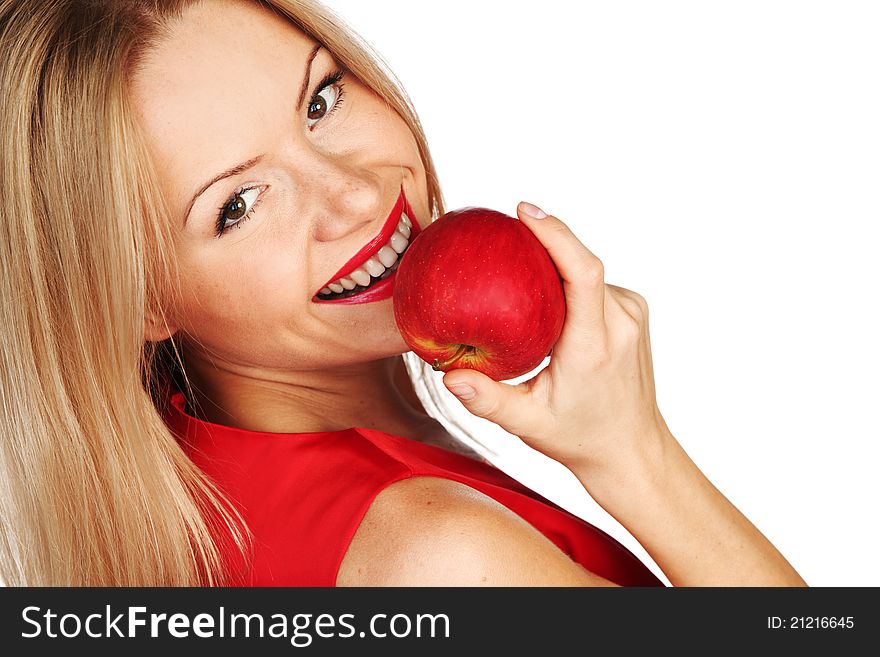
[(94, 488)]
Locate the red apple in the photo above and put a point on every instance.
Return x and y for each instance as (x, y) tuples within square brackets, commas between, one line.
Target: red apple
[(476, 289)]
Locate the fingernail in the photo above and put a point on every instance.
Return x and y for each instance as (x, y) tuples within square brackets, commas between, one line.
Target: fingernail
[(533, 210), (463, 391)]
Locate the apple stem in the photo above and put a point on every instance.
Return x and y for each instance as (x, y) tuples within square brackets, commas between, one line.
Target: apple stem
[(463, 349)]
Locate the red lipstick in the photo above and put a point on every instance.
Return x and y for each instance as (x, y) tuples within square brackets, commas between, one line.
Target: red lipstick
[(384, 288)]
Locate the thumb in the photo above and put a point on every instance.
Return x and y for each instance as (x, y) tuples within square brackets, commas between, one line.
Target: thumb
[(501, 403)]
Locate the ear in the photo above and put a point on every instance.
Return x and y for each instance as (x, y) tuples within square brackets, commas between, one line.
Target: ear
[(158, 327)]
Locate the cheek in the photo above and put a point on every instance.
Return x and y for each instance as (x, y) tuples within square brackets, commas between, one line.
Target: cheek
[(235, 303)]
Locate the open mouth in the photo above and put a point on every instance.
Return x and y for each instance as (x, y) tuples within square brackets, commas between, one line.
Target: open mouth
[(378, 260)]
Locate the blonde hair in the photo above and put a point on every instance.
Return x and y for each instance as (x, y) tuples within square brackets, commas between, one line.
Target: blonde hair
[(94, 488)]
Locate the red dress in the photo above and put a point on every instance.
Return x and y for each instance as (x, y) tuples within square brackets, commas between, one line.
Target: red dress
[(303, 496)]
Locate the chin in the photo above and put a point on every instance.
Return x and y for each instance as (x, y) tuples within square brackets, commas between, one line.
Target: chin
[(380, 333)]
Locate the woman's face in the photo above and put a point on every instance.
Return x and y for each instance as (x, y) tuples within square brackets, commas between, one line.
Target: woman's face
[(319, 168)]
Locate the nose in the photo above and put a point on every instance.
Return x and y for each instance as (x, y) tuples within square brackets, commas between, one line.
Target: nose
[(342, 197)]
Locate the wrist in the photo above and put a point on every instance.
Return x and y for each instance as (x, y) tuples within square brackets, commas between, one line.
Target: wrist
[(632, 475)]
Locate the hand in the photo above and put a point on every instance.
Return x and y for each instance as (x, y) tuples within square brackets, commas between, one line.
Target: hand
[(594, 405)]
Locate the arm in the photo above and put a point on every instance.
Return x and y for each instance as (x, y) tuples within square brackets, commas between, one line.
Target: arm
[(594, 409), (693, 532)]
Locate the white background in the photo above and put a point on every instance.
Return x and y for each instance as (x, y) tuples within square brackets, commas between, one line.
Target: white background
[(722, 159)]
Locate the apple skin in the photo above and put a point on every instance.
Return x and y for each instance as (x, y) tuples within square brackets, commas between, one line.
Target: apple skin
[(476, 289)]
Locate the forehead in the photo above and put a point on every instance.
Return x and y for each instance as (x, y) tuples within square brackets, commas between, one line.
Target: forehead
[(221, 68)]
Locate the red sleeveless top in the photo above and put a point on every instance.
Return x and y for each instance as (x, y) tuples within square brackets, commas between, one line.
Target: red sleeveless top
[(303, 496)]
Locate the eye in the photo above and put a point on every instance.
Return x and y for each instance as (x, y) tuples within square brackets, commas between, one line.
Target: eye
[(326, 99), (237, 209)]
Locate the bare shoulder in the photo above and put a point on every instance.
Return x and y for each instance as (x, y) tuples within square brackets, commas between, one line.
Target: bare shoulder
[(430, 531)]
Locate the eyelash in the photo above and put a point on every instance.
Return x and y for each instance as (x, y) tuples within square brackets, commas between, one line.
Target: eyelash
[(221, 228), (328, 81)]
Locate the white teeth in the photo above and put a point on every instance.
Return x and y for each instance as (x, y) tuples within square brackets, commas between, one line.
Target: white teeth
[(374, 267), (387, 256), (360, 276), (378, 263), (398, 242)]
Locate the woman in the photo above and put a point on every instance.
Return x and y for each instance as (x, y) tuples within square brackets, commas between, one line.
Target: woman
[(193, 191)]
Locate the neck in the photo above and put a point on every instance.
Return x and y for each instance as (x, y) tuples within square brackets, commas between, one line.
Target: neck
[(375, 395)]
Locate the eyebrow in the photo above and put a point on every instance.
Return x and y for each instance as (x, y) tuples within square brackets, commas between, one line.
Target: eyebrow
[(305, 82), (248, 164)]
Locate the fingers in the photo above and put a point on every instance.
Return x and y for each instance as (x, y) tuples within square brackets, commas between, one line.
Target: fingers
[(633, 302), (635, 306), (506, 405), (582, 273)]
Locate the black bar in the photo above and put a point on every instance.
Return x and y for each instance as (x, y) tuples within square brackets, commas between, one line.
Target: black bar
[(571, 620)]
